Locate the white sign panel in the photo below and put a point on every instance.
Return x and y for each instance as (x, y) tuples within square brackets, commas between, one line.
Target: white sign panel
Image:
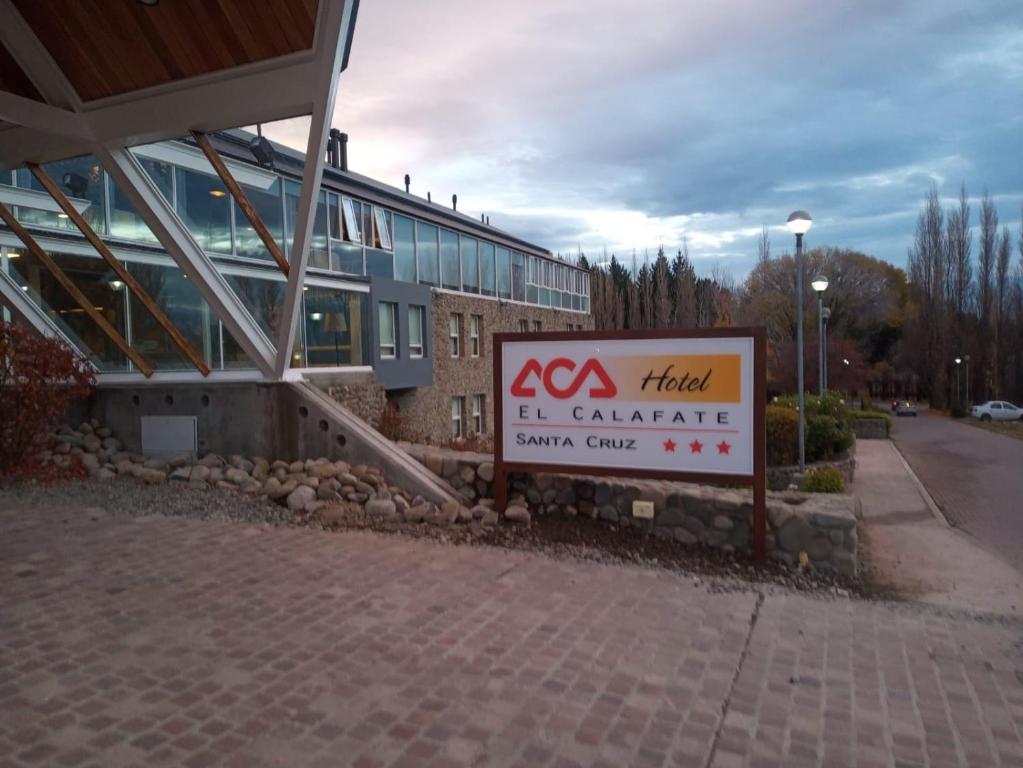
[(671, 405)]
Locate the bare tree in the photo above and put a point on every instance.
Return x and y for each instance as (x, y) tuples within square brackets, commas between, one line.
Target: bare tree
[(662, 292), (763, 246), (1002, 295), (959, 240), (985, 274)]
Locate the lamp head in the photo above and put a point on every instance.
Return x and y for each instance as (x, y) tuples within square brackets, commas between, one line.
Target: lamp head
[(958, 360), (799, 222), (820, 283)]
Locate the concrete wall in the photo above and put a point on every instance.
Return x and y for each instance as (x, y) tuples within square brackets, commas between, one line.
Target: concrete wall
[(426, 411)]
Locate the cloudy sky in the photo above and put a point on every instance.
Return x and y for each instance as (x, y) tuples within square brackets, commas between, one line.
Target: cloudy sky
[(600, 124)]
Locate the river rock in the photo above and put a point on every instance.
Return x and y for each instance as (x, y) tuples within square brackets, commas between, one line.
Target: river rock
[(516, 514), (299, 497)]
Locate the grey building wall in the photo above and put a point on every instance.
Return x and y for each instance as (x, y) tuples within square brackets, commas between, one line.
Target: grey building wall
[(403, 370)]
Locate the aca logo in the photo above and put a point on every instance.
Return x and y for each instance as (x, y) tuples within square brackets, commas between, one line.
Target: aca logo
[(604, 386)]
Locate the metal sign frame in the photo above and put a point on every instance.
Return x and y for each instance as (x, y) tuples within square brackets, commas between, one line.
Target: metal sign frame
[(758, 480)]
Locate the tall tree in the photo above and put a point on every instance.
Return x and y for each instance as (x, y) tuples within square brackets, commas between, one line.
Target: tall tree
[(1002, 294), (662, 292), (763, 246), (985, 274)]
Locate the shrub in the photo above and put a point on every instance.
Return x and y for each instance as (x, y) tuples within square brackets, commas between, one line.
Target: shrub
[(39, 379), (959, 410), (880, 415), (823, 480), (782, 435), (826, 436), (829, 404)]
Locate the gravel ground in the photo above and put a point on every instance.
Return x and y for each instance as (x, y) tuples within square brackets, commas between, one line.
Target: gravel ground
[(579, 538)]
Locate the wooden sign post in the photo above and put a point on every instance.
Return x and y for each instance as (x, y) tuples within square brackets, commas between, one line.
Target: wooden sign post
[(665, 405)]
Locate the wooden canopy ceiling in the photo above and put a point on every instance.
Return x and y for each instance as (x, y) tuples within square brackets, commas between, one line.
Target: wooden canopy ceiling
[(112, 47)]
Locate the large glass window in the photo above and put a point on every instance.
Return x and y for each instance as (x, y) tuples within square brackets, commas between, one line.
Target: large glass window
[(426, 253), (488, 274), (79, 178), (319, 252), (101, 287), (205, 207), (388, 333), (263, 298), (335, 327), (404, 249), (518, 277), (270, 210), (345, 257), (451, 273), (470, 266), (184, 306), (416, 322), (504, 278), (125, 223)]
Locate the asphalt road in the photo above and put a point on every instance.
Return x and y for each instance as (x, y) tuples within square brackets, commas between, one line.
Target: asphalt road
[(974, 476)]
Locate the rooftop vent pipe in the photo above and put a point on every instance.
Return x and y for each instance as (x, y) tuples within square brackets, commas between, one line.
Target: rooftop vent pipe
[(342, 154), (408, 182), (428, 198), (454, 202)]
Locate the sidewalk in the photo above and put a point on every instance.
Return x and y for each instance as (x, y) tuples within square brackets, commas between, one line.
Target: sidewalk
[(908, 548), (157, 641)]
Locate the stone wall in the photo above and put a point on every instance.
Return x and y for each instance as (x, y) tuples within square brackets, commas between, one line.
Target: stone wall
[(870, 429), (426, 411), (364, 397), (821, 526), (784, 477)]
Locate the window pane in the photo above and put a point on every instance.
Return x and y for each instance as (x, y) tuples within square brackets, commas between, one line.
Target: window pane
[(334, 216), (451, 276), (531, 294), (386, 312), (404, 250), (335, 327), (125, 223), (184, 306), (379, 263), (78, 178), (382, 222), (292, 190), (352, 211), (415, 330), (518, 277), (470, 266), (346, 257), (426, 253), (504, 273), (319, 253), (205, 207), (263, 298), (267, 203), (101, 287), (488, 274)]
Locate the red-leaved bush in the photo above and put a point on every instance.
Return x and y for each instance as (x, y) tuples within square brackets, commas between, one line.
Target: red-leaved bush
[(39, 379)]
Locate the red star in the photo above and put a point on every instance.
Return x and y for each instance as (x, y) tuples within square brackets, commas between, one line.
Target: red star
[(724, 447), (669, 446), (696, 447)]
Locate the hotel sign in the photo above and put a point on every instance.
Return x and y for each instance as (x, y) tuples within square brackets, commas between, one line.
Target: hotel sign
[(658, 404)]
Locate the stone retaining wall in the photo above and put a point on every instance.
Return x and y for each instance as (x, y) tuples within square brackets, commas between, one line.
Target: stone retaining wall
[(870, 429), (783, 478), (821, 526)]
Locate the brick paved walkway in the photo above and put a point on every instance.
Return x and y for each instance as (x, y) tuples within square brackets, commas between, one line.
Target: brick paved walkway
[(156, 641)]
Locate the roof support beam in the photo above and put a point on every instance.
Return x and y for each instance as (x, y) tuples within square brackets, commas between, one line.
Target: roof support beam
[(159, 215), (32, 114), (337, 18), (68, 284), (126, 277), (242, 199), (34, 60)]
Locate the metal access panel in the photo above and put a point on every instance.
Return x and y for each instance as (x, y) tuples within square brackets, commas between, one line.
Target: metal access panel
[(169, 435)]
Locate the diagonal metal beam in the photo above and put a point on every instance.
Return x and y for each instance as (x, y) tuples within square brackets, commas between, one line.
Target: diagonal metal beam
[(34, 60), (126, 277), (68, 284), (37, 116), (242, 199), (133, 181), (336, 23)]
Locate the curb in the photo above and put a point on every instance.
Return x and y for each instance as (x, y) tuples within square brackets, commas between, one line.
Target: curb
[(928, 500)]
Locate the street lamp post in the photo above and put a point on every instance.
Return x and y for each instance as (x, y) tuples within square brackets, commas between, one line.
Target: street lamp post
[(958, 361), (820, 284), (966, 359), (799, 224), (827, 317)]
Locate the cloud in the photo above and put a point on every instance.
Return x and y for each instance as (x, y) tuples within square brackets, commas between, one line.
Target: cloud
[(586, 124)]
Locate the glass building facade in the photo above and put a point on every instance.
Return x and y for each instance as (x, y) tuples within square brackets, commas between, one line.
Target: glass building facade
[(353, 240)]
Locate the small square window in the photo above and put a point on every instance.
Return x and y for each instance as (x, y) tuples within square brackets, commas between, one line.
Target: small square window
[(454, 323), (475, 323), (523, 326), (415, 330), (388, 338), (537, 326)]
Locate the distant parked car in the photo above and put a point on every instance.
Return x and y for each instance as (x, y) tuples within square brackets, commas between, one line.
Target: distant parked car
[(904, 408), (997, 410)]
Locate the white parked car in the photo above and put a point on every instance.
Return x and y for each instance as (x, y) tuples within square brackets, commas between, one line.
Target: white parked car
[(997, 410)]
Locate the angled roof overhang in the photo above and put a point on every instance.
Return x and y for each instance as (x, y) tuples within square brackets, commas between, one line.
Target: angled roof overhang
[(122, 72)]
